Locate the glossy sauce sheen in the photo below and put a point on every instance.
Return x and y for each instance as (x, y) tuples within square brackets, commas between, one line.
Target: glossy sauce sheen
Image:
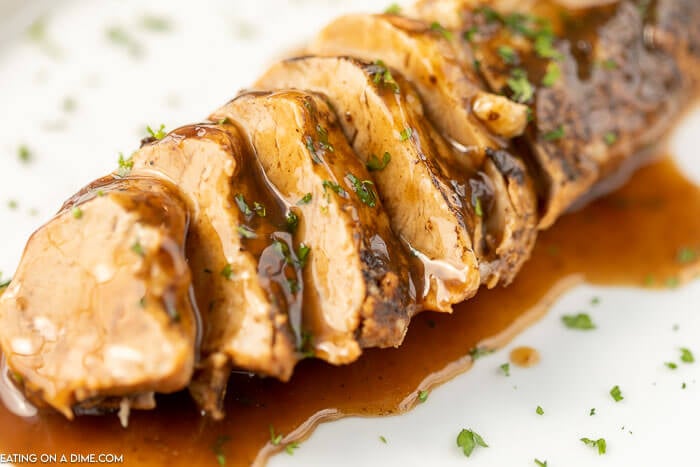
[(652, 220)]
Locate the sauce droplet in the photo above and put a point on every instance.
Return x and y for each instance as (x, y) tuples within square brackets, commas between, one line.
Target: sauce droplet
[(524, 357)]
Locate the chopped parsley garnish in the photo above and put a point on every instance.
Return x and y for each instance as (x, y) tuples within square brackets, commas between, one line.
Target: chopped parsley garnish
[(598, 443), (155, 23), (283, 249), (242, 205), (69, 104), (382, 439), (440, 29), (672, 282), (478, 352), (539, 410), (125, 165), (227, 271), (323, 139), (77, 212), (309, 143), (137, 248), (393, 9), (289, 449), (544, 46), (469, 34), (671, 365), (540, 463), (364, 190), (477, 65), (120, 37), (374, 163), (381, 75), (306, 347), (610, 138), (275, 439), (489, 14), (683, 386), (552, 74), (406, 134), (293, 285), (335, 187), (423, 396), (306, 199), (259, 209), (580, 321), (246, 232), (592, 412), (616, 393), (505, 368), (520, 86), (478, 210), (292, 221), (12, 204), (158, 134), (218, 449), (302, 255), (687, 355), (554, 135), (24, 154), (686, 255), (5, 283), (595, 301), (508, 54), (468, 440), (609, 64)]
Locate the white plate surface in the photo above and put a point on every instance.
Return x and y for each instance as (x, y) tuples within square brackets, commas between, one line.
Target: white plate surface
[(214, 49)]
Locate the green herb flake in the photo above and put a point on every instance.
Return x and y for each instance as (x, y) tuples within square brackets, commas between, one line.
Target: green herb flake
[(406, 134), (540, 463), (306, 347), (469, 34), (364, 190), (69, 104), (334, 187), (478, 210), (137, 248), (259, 209), (227, 271), (490, 15), (125, 165), (218, 449), (440, 29), (507, 54), (520, 86), (423, 396), (672, 282), (671, 365), (595, 301), (291, 447), (77, 212), (242, 205), (306, 199), (155, 23), (302, 255), (292, 221), (275, 439), (4, 283), (683, 386), (118, 36), (478, 352), (382, 439), (552, 75), (323, 139), (393, 9), (687, 355), (505, 368), (592, 412), (539, 410), (616, 393), (12, 204), (598, 443), (686, 255), (580, 321), (610, 138), (554, 135), (24, 154), (246, 232), (544, 47), (468, 440), (159, 134), (374, 163), (609, 64), (381, 75)]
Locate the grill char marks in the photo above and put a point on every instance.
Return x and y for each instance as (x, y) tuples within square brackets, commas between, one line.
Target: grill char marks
[(244, 306), (99, 309), (355, 289)]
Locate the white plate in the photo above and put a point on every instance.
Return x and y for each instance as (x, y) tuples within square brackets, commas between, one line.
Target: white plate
[(214, 49)]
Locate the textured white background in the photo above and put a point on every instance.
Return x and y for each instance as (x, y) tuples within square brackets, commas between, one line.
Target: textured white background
[(212, 50)]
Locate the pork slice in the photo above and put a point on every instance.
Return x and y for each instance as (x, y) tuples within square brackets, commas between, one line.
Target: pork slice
[(99, 309), (382, 118), (356, 281), (244, 303)]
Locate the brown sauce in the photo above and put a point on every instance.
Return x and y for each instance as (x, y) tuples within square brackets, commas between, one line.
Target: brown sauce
[(631, 237), (524, 357)]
